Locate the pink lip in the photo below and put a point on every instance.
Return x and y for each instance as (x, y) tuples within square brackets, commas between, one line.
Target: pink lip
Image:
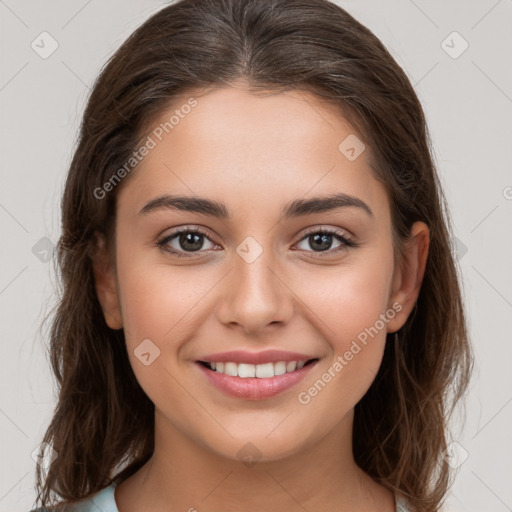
[(254, 388), (266, 356)]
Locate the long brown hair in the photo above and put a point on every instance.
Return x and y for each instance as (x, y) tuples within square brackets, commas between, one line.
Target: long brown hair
[(103, 425)]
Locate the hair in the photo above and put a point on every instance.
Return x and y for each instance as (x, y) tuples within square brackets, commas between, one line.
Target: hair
[(103, 424)]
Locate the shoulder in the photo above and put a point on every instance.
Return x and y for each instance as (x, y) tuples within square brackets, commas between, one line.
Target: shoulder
[(103, 500)]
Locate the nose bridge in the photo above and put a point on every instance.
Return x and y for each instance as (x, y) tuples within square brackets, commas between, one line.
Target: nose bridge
[(255, 295)]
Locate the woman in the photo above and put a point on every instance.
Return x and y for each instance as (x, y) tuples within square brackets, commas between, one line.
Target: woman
[(260, 307)]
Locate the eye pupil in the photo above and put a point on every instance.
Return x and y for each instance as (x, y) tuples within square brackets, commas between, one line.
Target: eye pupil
[(191, 238), (321, 241)]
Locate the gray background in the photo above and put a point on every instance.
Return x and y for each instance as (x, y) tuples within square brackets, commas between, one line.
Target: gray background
[(468, 103)]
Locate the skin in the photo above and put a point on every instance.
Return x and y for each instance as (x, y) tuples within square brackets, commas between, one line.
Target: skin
[(254, 153)]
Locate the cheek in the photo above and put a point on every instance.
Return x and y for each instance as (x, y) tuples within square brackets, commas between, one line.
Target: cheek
[(349, 299), (157, 300), (158, 307), (163, 304), (351, 311), (146, 304)]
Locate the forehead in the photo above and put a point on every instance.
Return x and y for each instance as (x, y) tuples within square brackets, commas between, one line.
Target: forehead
[(230, 143), (263, 122)]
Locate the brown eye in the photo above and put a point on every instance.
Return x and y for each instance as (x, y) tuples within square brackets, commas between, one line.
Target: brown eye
[(321, 240), (184, 241)]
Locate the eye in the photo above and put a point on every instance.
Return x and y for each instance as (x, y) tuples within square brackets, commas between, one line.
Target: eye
[(187, 240), (321, 239)]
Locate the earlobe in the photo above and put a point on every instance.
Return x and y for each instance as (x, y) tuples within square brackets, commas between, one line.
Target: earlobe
[(105, 283), (408, 277)]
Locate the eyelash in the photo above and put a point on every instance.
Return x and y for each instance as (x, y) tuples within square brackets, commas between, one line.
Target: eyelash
[(347, 242)]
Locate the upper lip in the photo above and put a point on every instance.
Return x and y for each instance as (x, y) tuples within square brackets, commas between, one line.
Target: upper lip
[(266, 356)]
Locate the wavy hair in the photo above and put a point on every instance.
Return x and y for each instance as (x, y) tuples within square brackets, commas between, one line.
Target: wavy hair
[(103, 424)]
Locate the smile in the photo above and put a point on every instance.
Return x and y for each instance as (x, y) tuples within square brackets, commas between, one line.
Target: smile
[(255, 382), (260, 371)]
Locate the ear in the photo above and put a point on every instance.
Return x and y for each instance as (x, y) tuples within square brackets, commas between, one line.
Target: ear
[(105, 283), (407, 278)]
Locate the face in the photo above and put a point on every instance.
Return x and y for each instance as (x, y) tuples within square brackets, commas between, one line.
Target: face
[(267, 269)]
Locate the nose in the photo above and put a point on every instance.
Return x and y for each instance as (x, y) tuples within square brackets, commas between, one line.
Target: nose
[(255, 296)]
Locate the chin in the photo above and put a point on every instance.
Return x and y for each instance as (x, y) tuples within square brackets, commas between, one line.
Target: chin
[(259, 447)]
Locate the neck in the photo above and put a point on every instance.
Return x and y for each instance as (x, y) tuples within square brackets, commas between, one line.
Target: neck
[(186, 475)]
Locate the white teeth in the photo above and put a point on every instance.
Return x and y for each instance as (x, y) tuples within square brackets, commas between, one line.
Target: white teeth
[(231, 369), (291, 366), (279, 368), (246, 370), (262, 371), (265, 371)]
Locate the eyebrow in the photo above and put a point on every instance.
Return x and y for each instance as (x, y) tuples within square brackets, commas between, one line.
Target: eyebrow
[(296, 208)]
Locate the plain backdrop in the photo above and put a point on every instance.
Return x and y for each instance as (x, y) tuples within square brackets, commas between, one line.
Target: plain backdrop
[(467, 96)]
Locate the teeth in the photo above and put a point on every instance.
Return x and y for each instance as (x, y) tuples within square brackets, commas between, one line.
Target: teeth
[(279, 368), (265, 371), (262, 371), (291, 366), (231, 369), (246, 370)]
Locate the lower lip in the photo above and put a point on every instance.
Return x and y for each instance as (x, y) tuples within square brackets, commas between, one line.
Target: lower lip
[(254, 388)]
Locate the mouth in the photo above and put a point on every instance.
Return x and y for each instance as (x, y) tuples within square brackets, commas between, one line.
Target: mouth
[(260, 371), (255, 381)]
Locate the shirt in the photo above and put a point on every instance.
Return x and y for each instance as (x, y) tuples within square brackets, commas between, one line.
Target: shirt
[(104, 501)]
